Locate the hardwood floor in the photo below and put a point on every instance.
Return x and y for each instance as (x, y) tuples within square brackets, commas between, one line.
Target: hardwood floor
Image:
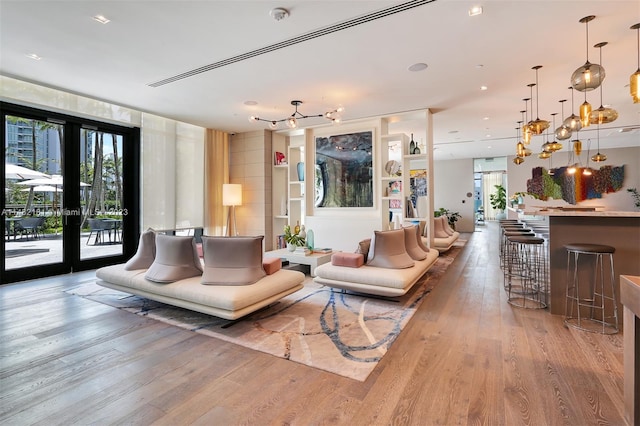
[(466, 357)]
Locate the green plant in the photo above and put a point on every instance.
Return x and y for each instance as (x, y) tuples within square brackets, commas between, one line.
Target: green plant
[(452, 217), (293, 238), (499, 198), (636, 196)]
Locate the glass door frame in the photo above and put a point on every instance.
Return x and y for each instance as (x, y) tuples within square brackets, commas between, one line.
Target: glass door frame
[(71, 259)]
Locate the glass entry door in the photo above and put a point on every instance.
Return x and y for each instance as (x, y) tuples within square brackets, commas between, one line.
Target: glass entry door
[(68, 203)]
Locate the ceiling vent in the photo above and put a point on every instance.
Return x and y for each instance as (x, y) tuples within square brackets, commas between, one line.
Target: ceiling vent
[(299, 39)]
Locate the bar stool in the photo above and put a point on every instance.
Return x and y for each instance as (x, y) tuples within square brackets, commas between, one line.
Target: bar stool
[(526, 272), (591, 306)]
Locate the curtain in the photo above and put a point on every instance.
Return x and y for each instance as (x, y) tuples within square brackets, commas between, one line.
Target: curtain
[(489, 180), (216, 173)]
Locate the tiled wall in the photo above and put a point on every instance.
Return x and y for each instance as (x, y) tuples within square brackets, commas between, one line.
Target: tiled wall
[(250, 161)]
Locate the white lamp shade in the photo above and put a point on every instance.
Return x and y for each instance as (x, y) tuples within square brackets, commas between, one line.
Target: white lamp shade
[(231, 194)]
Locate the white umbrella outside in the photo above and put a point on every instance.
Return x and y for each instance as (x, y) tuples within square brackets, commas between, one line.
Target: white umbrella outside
[(54, 180), (44, 188), (13, 171)]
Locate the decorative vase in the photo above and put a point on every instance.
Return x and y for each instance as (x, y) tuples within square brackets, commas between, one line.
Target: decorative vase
[(291, 247), (310, 239), (412, 145), (302, 233), (300, 168)]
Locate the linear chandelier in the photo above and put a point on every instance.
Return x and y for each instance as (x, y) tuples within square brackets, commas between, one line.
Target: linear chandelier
[(335, 116)]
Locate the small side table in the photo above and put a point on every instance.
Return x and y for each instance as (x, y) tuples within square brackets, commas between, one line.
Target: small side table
[(313, 259)]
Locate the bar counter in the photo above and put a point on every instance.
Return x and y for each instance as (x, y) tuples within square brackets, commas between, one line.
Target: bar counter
[(617, 229), (630, 296)]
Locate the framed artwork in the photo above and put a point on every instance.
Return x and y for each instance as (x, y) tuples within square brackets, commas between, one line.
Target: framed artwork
[(344, 170)]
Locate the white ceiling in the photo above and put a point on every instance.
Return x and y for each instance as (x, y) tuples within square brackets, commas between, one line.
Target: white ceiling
[(363, 68)]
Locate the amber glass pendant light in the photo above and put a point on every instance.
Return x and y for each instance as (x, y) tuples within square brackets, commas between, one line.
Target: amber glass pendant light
[(603, 114), (538, 125), (526, 130), (598, 158), (585, 112), (634, 80)]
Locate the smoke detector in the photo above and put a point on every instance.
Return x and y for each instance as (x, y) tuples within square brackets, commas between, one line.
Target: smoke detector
[(279, 13)]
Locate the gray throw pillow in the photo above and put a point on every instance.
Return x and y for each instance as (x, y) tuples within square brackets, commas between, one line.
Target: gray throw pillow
[(146, 253), (232, 260), (176, 259)]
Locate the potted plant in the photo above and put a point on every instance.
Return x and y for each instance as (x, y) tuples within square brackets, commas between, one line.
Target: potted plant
[(499, 200), (293, 239), (452, 217)]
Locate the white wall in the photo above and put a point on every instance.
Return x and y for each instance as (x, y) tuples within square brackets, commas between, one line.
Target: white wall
[(616, 201), (452, 180)]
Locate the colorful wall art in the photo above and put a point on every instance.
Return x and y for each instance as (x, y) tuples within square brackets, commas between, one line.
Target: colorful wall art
[(577, 187)]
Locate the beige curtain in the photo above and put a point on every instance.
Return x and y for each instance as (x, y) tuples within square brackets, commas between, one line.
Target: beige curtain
[(216, 173), (489, 180)]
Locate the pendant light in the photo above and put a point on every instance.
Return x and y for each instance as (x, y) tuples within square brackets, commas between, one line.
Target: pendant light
[(585, 112), (598, 158), (526, 131), (551, 172), (562, 132), (634, 86), (555, 145), (537, 126), (589, 76), (572, 122), (519, 158), (603, 114)]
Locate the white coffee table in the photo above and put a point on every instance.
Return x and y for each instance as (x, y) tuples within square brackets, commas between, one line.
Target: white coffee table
[(313, 260)]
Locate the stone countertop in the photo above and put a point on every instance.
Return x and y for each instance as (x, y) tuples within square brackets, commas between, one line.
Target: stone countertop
[(583, 213), (630, 293)]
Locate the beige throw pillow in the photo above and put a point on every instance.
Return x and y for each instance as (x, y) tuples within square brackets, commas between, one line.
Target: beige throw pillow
[(176, 259), (146, 253), (363, 248), (411, 237), (232, 260), (388, 250)]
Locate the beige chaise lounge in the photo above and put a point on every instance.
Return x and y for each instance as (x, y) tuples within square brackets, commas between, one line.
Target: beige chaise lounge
[(230, 282), (443, 235), (390, 280)]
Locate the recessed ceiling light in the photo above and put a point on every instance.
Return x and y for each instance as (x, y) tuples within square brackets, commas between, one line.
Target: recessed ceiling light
[(483, 87), (475, 10), (420, 66), (485, 118), (102, 19), (479, 66), (33, 56), (250, 103), (488, 135), (489, 147)]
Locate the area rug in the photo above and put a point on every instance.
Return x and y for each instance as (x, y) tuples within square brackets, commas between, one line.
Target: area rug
[(343, 333)]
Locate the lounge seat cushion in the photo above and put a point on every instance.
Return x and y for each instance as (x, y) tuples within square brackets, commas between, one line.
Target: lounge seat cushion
[(438, 228), (352, 260), (388, 250), (146, 252), (232, 260), (176, 259)]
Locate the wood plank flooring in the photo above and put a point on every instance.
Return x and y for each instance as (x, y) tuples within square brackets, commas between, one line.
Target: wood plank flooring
[(466, 357)]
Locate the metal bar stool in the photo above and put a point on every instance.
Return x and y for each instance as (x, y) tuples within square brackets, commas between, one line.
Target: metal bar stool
[(526, 272), (591, 306)]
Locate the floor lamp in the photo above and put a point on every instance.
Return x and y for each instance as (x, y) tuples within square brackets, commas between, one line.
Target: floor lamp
[(231, 197)]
